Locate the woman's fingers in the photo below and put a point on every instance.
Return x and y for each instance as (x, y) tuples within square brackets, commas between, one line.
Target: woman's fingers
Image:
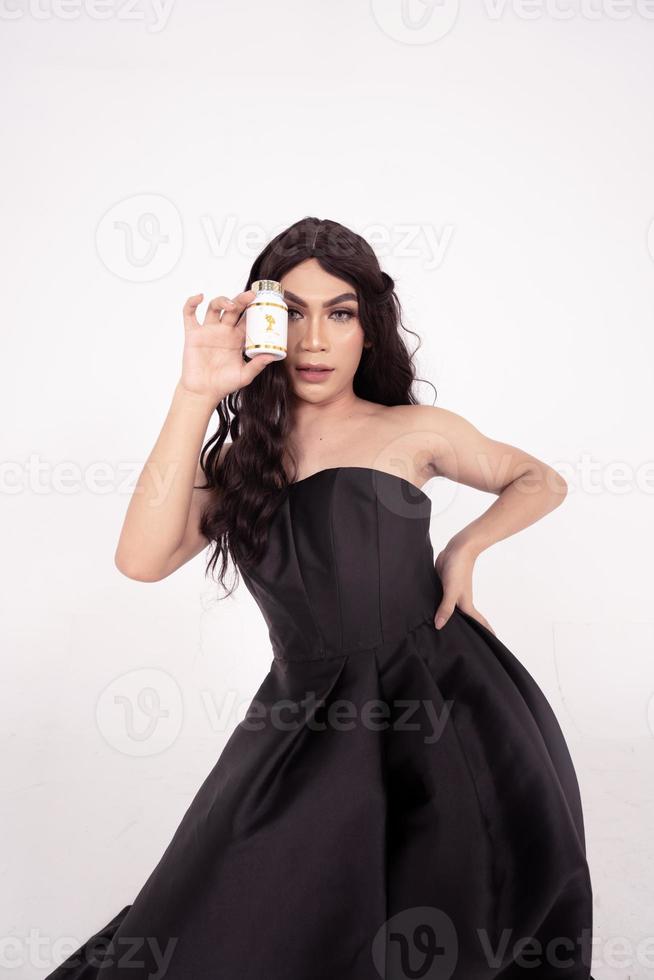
[(254, 367), (188, 312), (231, 316), (444, 611), (221, 309), (215, 309)]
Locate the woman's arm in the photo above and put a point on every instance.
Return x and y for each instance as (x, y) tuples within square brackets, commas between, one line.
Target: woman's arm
[(527, 489), (160, 531)]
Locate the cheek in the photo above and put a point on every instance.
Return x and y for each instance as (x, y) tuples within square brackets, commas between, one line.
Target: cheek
[(348, 341), (350, 355)]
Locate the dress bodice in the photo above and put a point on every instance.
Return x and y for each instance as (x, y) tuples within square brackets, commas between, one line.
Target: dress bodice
[(349, 564)]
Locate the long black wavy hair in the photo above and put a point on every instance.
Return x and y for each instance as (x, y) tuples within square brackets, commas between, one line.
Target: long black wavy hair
[(249, 481)]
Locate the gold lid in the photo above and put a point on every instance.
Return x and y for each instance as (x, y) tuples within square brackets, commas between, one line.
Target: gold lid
[(271, 284)]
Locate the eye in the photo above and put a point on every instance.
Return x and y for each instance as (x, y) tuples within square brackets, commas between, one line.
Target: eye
[(347, 314)]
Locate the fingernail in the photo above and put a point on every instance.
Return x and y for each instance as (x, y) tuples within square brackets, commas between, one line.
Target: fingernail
[(439, 622)]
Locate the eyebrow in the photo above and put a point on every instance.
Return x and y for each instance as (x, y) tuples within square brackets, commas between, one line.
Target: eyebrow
[(330, 302)]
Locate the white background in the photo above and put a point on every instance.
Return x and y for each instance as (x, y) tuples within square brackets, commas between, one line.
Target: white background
[(500, 160)]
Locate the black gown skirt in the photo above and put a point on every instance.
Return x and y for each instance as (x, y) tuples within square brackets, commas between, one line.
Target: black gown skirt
[(398, 802)]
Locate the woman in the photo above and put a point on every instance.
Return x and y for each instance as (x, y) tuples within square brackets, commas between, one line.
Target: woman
[(400, 800)]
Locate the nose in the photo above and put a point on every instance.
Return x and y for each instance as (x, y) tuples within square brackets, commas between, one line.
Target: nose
[(315, 335)]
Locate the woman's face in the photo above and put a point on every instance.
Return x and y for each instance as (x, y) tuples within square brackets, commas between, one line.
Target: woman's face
[(323, 328)]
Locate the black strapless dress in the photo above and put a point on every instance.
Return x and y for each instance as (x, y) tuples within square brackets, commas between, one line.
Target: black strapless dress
[(399, 802)]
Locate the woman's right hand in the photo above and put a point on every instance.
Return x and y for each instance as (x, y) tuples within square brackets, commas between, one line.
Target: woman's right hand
[(212, 362)]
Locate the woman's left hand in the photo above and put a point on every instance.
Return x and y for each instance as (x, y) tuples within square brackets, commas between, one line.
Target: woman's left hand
[(454, 565)]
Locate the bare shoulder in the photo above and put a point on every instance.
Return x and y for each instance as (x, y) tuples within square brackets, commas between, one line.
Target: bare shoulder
[(452, 446), (433, 417), (428, 426)]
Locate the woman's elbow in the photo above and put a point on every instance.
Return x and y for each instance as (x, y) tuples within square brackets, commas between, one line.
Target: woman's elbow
[(557, 485), (137, 571)]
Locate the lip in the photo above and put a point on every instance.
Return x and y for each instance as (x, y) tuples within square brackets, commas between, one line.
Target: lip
[(314, 372)]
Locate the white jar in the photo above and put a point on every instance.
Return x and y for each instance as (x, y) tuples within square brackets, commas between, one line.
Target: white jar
[(266, 320)]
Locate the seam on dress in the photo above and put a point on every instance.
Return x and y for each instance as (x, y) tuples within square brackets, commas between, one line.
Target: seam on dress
[(319, 635), (330, 520), (385, 782), (379, 572)]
